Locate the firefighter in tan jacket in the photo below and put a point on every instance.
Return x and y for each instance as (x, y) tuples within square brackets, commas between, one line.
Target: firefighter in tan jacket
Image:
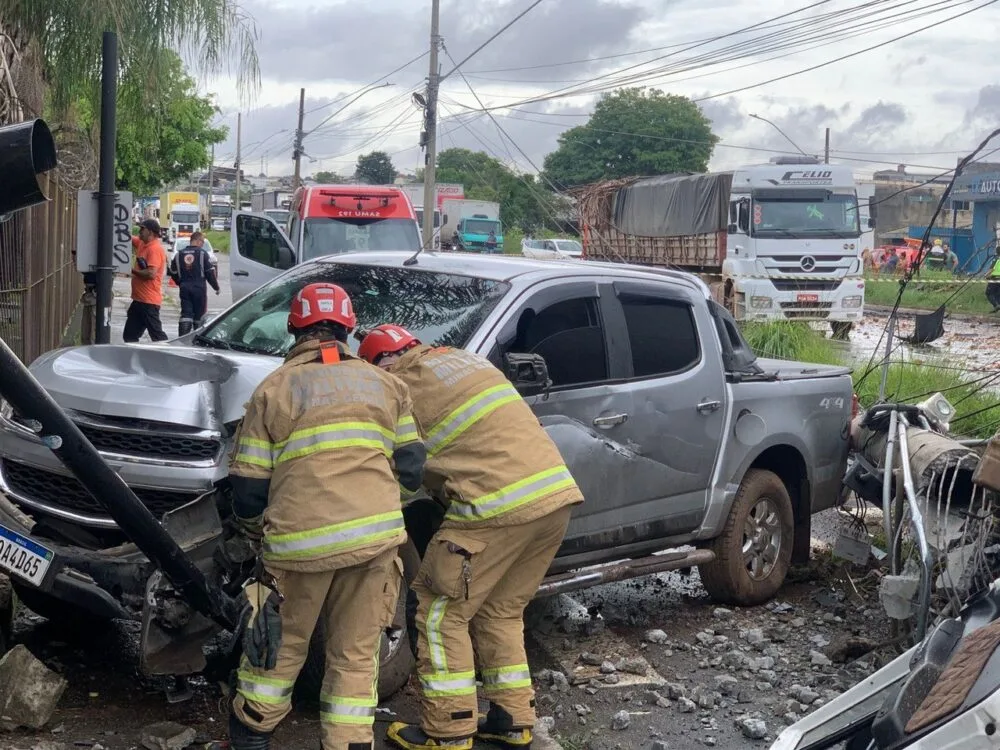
[(313, 469), (510, 499)]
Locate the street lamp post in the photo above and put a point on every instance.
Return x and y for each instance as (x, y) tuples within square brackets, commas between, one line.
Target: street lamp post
[(783, 133)]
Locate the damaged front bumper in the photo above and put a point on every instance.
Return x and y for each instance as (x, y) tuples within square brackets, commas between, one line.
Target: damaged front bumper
[(121, 583)]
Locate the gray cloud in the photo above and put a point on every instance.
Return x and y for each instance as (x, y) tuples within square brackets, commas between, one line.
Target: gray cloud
[(361, 42)]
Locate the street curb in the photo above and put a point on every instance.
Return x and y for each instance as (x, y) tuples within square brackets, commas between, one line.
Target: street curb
[(978, 317)]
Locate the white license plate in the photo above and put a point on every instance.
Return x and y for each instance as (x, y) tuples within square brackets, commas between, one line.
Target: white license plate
[(23, 557)]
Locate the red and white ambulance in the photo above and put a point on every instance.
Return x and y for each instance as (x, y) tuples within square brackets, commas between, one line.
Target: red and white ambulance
[(324, 220)]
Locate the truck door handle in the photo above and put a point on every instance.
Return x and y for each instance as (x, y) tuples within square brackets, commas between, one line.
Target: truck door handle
[(707, 407), (241, 273), (610, 421)]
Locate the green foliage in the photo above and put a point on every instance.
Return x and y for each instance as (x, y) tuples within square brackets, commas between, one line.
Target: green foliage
[(327, 178), (921, 295), (219, 240), (978, 414), (524, 201), (633, 132), (217, 34), (375, 168), (163, 143)]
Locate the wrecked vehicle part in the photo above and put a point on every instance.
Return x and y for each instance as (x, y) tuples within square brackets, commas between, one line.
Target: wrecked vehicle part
[(875, 713), (66, 441)]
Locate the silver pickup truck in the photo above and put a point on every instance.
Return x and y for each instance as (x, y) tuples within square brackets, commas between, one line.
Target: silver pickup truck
[(690, 451)]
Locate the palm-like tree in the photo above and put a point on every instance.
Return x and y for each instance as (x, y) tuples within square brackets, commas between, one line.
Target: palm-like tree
[(50, 56)]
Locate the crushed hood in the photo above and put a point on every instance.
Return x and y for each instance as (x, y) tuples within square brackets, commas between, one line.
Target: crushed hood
[(191, 386)]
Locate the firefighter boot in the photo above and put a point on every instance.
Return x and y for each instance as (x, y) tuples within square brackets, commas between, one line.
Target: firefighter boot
[(410, 737), (498, 728), (242, 737)]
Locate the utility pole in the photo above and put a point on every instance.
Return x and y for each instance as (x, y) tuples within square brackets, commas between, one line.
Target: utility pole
[(239, 138), (299, 135), (430, 130), (826, 157), (106, 188), (211, 179)]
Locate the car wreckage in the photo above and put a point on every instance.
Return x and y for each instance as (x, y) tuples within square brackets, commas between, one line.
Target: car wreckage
[(689, 449)]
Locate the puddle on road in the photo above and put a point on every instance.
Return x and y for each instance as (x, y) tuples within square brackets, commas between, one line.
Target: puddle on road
[(970, 345)]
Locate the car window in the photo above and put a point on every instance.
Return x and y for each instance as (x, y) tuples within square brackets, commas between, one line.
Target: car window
[(260, 241), (569, 336), (438, 308), (662, 335)]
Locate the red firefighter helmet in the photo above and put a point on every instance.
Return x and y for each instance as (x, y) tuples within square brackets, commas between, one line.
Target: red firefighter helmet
[(385, 339), (321, 303)]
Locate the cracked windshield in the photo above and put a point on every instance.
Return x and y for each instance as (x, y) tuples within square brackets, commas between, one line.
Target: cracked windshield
[(676, 426)]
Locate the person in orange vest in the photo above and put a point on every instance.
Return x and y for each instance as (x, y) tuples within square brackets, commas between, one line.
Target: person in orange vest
[(314, 478), (509, 498), (147, 285)]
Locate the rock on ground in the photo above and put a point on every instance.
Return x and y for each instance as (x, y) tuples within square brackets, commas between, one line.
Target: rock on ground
[(167, 735), (29, 691)]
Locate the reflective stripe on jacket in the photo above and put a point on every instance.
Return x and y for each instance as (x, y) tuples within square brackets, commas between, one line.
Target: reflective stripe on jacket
[(485, 447), (324, 436)]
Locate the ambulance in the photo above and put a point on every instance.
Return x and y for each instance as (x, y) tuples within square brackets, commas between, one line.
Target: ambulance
[(324, 220)]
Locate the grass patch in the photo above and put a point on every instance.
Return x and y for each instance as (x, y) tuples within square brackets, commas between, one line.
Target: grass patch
[(786, 339), (921, 295), (978, 413), (219, 240)]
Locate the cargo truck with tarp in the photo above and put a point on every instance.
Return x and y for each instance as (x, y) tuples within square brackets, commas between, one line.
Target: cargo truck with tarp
[(773, 241)]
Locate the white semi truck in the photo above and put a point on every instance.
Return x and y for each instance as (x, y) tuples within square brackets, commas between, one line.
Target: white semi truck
[(775, 241)]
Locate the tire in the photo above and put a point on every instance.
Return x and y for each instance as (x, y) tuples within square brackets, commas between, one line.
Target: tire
[(396, 659), (841, 330), (763, 502)]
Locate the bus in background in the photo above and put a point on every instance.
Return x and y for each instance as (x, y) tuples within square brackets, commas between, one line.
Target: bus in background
[(324, 220)]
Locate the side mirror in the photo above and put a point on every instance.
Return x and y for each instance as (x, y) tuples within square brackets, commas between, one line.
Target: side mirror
[(871, 222), (286, 258), (733, 229), (527, 372), (743, 216)]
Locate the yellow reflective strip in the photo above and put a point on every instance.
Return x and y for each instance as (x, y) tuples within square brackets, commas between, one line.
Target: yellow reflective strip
[(441, 684), (333, 538), (327, 445), (333, 426), (513, 496), (435, 641), (264, 463), (466, 415)]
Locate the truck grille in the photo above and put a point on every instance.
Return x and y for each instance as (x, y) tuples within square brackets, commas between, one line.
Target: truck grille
[(66, 492), (810, 310), (151, 445), (146, 442), (804, 285)]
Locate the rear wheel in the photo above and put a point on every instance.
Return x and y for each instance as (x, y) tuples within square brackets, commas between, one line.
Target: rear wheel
[(754, 550), (396, 659)]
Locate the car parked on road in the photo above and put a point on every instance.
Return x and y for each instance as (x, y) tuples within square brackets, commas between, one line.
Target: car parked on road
[(679, 437)]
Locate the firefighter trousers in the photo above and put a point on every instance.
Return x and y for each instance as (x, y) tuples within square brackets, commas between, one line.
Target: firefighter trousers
[(472, 589), (356, 605)]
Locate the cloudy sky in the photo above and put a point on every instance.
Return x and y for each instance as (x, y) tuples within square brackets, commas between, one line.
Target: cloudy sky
[(919, 97)]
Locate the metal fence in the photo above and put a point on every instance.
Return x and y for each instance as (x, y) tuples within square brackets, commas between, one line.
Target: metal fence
[(39, 284)]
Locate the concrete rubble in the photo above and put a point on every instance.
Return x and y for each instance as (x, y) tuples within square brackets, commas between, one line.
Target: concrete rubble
[(29, 691), (167, 735)]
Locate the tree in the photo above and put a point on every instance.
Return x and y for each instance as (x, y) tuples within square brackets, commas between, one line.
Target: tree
[(375, 168), (171, 139), (633, 133), (326, 178), (524, 201)]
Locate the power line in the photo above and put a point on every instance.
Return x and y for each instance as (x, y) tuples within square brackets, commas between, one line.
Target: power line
[(402, 67), (478, 49)]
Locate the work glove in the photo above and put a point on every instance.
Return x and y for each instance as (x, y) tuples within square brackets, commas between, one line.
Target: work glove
[(251, 528), (262, 625)]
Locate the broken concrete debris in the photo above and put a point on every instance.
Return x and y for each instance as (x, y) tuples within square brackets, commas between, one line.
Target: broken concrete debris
[(621, 720), (29, 691), (167, 735), (752, 727)]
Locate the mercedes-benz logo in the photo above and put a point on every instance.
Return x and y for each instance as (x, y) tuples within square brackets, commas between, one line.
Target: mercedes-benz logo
[(808, 263)]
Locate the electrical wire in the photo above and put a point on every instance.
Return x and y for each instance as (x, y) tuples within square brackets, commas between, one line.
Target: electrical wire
[(482, 46), (927, 232), (402, 67)]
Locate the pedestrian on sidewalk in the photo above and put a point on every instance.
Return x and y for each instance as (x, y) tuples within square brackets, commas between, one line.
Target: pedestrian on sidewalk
[(192, 270), (147, 285), (509, 498)]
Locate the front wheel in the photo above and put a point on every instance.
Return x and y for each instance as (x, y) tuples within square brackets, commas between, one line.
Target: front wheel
[(754, 550), (841, 329)]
